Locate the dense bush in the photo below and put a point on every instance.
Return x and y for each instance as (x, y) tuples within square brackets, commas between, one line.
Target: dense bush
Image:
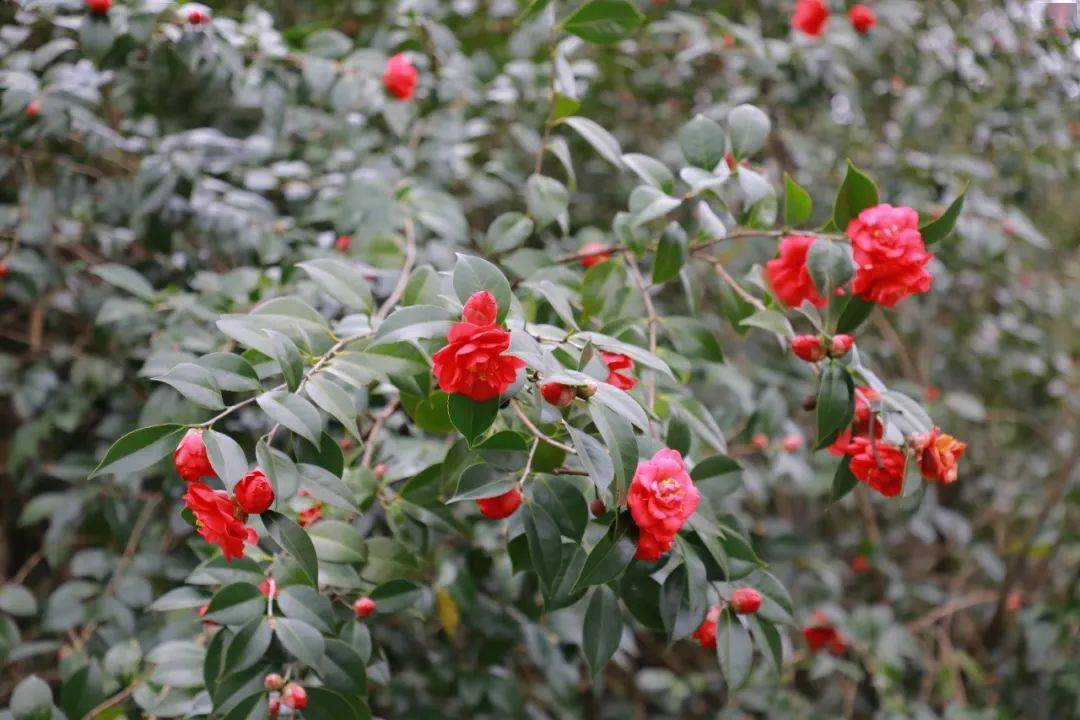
[(512, 354)]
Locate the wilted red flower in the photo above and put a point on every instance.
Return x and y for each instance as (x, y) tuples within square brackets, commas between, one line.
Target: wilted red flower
[(500, 506), (745, 601), (938, 455), (810, 17), (821, 633), (400, 77), (860, 422), (219, 519), (616, 362), (788, 275), (480, 309), (254, 493), (311, 515), (706, 632), (593, 253), (661, 497), (557, 394), (878, 464), (889, 254), (840, 346), (190, 457), (808, 347), (862, 18)]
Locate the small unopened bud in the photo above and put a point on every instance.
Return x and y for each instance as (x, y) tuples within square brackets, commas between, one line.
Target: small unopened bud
[(841, 344), (33, 109), (745, 601), (273, 707), (809, 403), (597, 508), (379, 471), (364, 607), (273, 681), (587, 390), (760, 441), (294, 696), (808, 347)]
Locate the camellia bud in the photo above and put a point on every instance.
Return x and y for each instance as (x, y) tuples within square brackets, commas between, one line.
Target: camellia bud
[(364, 607), (557, 394), (860, 563), (587, 390), (597, 508), (808, 347), (190, 457), (33, 109), (196, 14), (273, 681), (745, 601), (809, 403), (840, 345), (98, 7), (862, 18), (343, 242), (400, 77), (593, 253), (760, 441), (3, 270), (379, 471), (501, 506), (792, 443), (273, 707), (294, 696), (254, 493)]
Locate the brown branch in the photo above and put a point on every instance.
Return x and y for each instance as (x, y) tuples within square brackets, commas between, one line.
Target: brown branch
[(537, 433), (373, 434)]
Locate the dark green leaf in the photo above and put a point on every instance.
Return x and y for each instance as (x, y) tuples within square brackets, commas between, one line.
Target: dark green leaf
[(295, 541), (856, 193), (835, 402), (140, 449), (734, 650), (843, 481), (797, 203), (604, 21), (471, 417), (670, 254), (855, 311), (301, 640), (608, 558), (939, 228), (545, 546), (602, 629)]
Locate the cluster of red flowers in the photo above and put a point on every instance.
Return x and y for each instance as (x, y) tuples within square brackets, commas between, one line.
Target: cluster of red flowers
[(812, 348), (220, 517), (744, 601), (292, 695), (661, 497), (888, 251), (811, 16), (821, 633), (473, 362)]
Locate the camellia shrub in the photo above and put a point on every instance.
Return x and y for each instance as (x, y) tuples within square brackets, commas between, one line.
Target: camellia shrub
[(389, 365)]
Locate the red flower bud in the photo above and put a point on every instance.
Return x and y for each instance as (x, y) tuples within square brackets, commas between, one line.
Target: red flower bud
[(481, 309), (862, 18), (98, 7), (400, 77), (745, 601), (33, 109), (792, 443), (501, 506), (364, 607), (841, 344), (343, 242), (760, 441), (557, 394), (273, 681), (254, 493), (294, 696), (810, 17), (190, 457), (3, 270), (808, 347), (273, 707), (860, 563), (196, 14), (597, 507), (379, 471), (593, 253)]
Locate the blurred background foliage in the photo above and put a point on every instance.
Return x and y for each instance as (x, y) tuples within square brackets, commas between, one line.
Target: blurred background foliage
[(212, 160)]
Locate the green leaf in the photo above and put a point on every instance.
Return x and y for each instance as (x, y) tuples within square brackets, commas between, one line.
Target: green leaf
[(324, 704), (125, 278), (416, 322), (292, 538), (508, 231), (249, 645), (341, 281), (830, 265), (650, 170), (279, 469), (855, 311), (683, 599), (546, 198), (236, 604), (621, 444), (231, 372), (226, 457), (835, 402), (195, 383), (481, 480), (343, 669), (472, 418), (396, 595), (843, 481), (670, 254), (31, 697), (306, 603), (604, 22), (294, 412), (734, 650), (768, 640), (473, 274), (593, 456), (939, 228), (545, 546), (602, 629), (608, 558), (749, 127), (856, 193), (797, 203), (703, 143), (338, 542), (770, 320), (301, 640), (714, 466), (563, 501), (17, 600), (140, 449), (288, 358), (332, 398), (602, 141)]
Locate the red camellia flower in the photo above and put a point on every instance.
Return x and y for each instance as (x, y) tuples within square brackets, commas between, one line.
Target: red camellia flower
[(254, 493), (294, 696), (472, 363), (33, 109), (400, 77), (889, 254), (364, 607), (808, 347), (810, 17), (745, 601), (788, 275), (343, 242), (557, 394), (593, 253), (616, 362), (878, 464), (480, 309), (860, 422), (661, 497), (706, 632), (98, 7), (840, 346), (821, 633), (268, 587), (938, 455), (862, 18), (500, 506), (220, 520), (190, 457)]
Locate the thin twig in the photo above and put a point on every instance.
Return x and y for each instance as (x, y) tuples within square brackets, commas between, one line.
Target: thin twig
[(650, 320), (537, 432), (114, 700), (376, 427), (739, 290), (978, 597)]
